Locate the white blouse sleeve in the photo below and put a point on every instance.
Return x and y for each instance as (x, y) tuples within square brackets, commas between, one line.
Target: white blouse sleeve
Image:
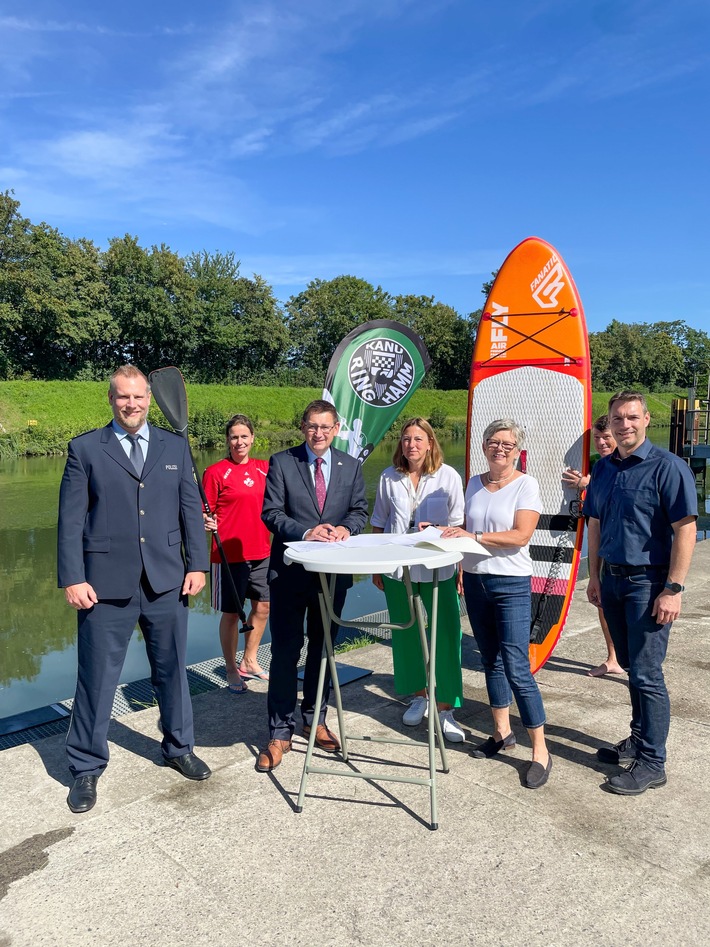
[(456, 501), (529, 497), (383, 501)]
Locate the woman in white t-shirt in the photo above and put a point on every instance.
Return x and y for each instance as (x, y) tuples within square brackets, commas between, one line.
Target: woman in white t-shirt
[(419, 488), (502, 510)]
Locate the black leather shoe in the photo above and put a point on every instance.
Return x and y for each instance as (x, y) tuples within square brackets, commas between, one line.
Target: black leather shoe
[(189, 765), (82, 795), (537, 775), (637, 779), (490, 747), (625, 751)]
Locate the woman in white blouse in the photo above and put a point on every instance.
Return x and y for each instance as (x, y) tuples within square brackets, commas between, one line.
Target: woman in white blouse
[(502, 510), (419, 488)]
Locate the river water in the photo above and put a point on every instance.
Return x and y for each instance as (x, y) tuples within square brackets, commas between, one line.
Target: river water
[(37, 628)]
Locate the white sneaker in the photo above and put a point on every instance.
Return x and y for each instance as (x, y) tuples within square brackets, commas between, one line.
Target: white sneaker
[(451, 730), (416, 712)]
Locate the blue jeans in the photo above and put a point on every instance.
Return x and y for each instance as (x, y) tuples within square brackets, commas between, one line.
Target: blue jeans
[(499, 608), (641, 645)]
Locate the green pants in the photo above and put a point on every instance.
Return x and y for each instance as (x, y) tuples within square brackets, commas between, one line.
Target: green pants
[(409, 672)]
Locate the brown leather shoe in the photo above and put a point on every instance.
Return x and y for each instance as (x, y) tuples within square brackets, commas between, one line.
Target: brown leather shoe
[(325, 738), (270, 758)]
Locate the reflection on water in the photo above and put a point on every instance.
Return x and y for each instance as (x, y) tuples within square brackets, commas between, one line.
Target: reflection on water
[(38, 631)]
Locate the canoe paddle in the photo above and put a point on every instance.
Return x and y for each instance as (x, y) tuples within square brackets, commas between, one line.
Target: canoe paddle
[(168, 387)]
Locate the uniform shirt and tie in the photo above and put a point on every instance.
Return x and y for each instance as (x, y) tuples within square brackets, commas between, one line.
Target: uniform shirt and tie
[(100, 528), (135, 445)]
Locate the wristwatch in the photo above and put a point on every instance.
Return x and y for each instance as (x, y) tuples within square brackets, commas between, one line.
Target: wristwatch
[(477, 535), (675, 587)]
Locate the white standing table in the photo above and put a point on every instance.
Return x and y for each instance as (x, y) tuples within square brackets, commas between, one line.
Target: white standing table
[(332, 559)]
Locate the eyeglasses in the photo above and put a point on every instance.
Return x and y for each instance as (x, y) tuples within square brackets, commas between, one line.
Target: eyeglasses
[(500, 445), (323, 428)]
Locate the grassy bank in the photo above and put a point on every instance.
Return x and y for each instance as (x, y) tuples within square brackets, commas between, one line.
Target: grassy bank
[(38, 418)]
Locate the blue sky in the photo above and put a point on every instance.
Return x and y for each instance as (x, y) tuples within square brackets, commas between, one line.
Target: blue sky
[(412, 143)]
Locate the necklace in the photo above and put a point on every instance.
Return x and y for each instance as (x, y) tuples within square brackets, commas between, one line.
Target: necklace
[(501, 479)]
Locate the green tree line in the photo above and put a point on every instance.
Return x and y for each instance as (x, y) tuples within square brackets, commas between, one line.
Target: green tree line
[(71, 311)]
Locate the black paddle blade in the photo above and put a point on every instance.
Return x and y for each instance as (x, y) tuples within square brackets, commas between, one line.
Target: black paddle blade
[(168, 387)]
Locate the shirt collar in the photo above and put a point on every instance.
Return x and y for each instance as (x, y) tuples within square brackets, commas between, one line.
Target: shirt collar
[(122, 432), (642, 451), (312, 456)]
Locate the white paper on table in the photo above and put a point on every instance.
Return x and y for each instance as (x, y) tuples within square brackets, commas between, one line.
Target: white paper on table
[(426, 538)]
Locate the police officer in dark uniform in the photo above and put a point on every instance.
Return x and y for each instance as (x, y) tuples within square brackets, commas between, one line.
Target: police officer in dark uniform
[(131, 550)]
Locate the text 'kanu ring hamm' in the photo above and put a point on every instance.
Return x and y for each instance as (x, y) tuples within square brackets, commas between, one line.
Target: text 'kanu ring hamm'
[(381, 372)]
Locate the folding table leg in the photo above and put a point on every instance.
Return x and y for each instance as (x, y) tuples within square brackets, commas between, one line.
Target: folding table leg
[(327, 659), (312, 735), (429, 653), (328, 647)]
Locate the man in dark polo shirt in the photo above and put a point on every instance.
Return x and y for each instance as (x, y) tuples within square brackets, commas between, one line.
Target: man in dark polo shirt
[(642, 506)]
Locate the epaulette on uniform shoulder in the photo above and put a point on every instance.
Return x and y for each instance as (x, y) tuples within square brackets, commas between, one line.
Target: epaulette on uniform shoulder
[(167, 430), (84, 433)]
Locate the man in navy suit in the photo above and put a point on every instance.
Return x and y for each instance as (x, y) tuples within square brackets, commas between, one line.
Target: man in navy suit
[(131, 549), (316, 493)]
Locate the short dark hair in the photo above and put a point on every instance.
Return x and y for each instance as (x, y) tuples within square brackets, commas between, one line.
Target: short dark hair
[(624, 396), (319, 406), (602, 423), (238, 419)]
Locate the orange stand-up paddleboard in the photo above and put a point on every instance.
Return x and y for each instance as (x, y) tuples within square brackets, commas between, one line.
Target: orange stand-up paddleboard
[(531, 364)]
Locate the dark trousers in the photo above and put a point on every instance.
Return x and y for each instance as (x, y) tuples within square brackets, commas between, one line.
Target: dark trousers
[(292, 604), (104, 633), (641, 644)]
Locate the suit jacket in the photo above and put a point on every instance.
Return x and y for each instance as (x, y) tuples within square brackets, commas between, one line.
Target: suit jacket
[(290, 506), (113, 524)]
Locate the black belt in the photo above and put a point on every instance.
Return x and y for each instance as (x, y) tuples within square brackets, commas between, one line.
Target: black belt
[(632, 570)]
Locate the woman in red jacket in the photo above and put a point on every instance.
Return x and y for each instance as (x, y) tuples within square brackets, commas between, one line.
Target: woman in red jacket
[(235, 492)]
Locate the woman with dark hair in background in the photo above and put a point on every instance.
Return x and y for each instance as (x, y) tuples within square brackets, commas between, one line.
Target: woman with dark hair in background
[(235, 492), (605, 445)]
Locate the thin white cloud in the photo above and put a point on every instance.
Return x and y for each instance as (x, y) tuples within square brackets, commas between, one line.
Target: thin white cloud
[(247, 88), (100, 154), (300, 269), (257, 79), (19, 25), (14, 24), (417, 128), (170, 196), (6, 95), (276, 70), (252, 143), (355, 118), (282, 79), (10, 173)]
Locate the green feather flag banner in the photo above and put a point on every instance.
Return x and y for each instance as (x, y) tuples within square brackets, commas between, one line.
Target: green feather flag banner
[(372, 375)]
